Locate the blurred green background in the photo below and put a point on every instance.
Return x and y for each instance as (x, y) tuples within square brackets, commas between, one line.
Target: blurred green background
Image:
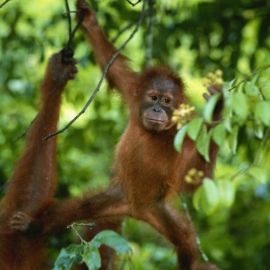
[(193, 37)]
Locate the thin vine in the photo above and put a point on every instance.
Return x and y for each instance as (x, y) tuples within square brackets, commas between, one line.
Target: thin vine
[(104, 73)]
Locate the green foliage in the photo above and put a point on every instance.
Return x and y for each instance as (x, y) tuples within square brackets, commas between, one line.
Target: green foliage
[(113, 240), (258, 174), (234, 37), (213, 196), (206, 197), (226, 190), (244, 106), (210, 107), (88, 252), (203, 142), (219, 134), (198, 132), (233, 139), (244, 129), (239, 106), (179, 138), (150, 256), (262, 113), (68, 256), (194, 128)]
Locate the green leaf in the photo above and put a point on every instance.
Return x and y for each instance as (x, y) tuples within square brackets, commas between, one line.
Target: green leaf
[(228, 124), (226, 192), (251, 89), (179, 138), (233, 139), (240, 105), (256, 78), (228, 118), (91, 256), (231, 84), (210, 107), (194, 127), (259, 131), (113, 240), (203, 142), (89, 252), (68, 256), (262, 112), (259, 174), (206, 198), (210, 194), (266, 90), (219, 134), (197, 199)]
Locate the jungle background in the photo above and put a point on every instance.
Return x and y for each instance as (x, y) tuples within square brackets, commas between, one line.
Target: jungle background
[(193, 37)]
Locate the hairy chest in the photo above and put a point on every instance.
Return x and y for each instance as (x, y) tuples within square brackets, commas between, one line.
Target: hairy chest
[(146, 156)]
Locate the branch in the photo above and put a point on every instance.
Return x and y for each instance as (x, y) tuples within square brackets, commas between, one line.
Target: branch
[(68, 45), (257, 159), (134, 4), (26, 130), (149, 31), (4, 3), (189, 217), (68, 19), (71, 33), (73, 227), (121, 31), (104, 73)]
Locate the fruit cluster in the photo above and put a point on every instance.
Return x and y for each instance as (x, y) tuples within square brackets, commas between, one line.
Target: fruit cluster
[(213, 79), (183, 115), (194, 176)]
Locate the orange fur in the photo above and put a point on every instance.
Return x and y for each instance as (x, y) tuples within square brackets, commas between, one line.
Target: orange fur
[(31, 187), (147, 168)]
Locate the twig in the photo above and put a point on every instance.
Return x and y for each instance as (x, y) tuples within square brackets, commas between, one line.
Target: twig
[(125, 28), (26, 130), (149, 31), (259, 70), (104, 73), (237, 84), (68, 19), (134, 4), (89, 225), (256, 159), (198, 240), (4, 3), (72, 34), (121, 31), (72, 226)]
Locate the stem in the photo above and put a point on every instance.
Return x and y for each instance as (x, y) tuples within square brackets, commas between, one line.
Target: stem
[(134, 4), (104, 73), (69, 22), (4, 3)]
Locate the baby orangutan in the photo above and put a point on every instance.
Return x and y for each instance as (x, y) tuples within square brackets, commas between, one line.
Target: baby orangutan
[(147, 169)]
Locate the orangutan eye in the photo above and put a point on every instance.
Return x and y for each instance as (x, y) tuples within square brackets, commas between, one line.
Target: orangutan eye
[(154, 98), (167, 100)]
